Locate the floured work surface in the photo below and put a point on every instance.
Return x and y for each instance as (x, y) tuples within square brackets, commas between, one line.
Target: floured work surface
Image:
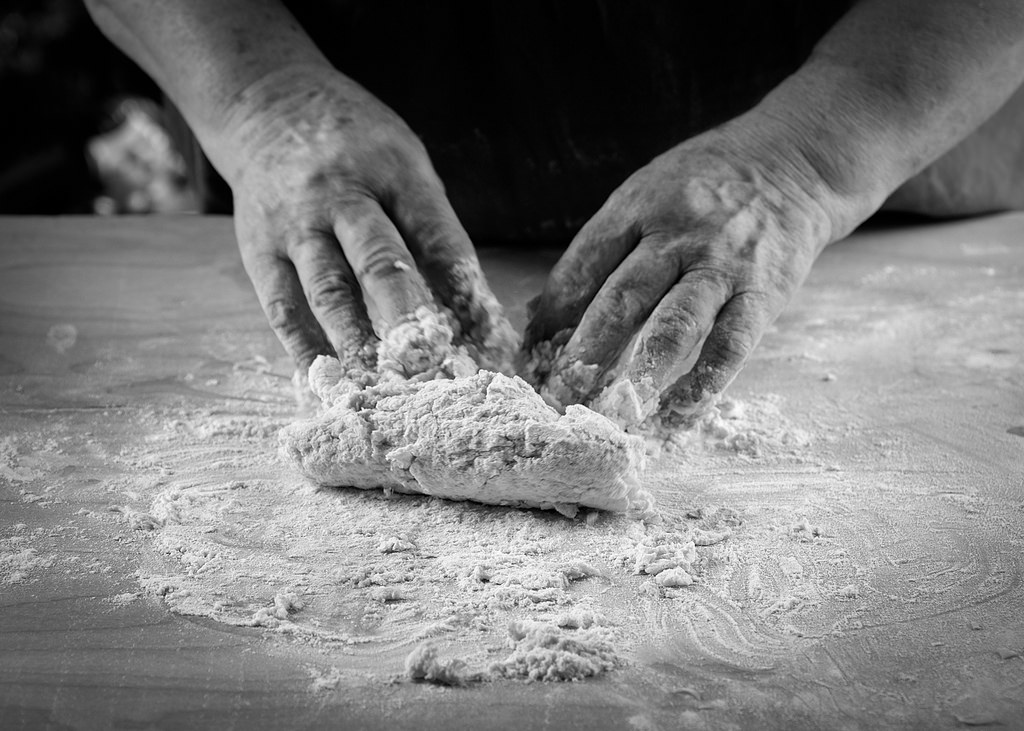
[(842, 543)]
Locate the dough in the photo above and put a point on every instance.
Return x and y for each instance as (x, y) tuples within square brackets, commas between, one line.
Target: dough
[(485, 437), (430, 421)]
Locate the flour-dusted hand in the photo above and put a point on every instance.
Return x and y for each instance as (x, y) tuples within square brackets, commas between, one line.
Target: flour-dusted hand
[(700, 250), (686, 264), (337, 205)]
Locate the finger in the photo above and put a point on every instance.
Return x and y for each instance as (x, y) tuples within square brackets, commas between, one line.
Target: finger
[(626, 300), (669, 341), (733, 338), (280, 294), (432, 231), (382, 264), (448, 261), (596, 251), (334, 297)]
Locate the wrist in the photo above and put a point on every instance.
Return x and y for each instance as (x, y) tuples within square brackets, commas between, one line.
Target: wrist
[(245, 122), (828, 149)]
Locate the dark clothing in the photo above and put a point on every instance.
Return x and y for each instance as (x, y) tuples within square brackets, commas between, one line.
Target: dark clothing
[(533, 112)]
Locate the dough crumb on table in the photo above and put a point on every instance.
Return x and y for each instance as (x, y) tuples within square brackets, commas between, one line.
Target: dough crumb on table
[(485, 437), (423, 664)]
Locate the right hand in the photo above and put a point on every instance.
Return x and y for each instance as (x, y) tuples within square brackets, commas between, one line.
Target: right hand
[(337, 205)]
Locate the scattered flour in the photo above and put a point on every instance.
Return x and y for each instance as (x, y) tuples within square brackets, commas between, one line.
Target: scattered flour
[(18, 566), (14, 466), (321, 681), (382, 575), (124, 598), (237, 537)]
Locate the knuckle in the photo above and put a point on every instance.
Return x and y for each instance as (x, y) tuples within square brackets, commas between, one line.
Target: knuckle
[(625, 298), (673, 329), (731, 349), (285, 318), (380, 257), (434, 236), (330, 291), (677, 322)]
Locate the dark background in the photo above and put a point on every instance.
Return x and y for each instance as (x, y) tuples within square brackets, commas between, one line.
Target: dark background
[(533, 111), (60, 80)]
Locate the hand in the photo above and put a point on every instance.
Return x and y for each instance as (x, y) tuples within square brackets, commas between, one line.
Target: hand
[(686, 264), (337, 207)]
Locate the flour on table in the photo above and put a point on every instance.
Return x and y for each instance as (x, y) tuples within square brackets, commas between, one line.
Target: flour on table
[(409, 585), (18, 564)]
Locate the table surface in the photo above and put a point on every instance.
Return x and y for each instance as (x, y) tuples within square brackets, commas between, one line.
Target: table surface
[(903, 354)]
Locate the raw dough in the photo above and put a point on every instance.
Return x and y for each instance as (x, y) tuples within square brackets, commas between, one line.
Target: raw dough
[(430, 422), (485, 437)]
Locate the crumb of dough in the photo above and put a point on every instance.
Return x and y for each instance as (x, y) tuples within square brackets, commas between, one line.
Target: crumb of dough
[(62, 337), (674, 578), (487, 335), (545, 652), (285, 604), (423, 664), (656, 556), (636, 407), (627, 403), (485, 437), (423, 347)]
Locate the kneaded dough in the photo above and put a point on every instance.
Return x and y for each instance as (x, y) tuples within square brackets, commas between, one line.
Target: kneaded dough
[(430, 421), (484, 437)]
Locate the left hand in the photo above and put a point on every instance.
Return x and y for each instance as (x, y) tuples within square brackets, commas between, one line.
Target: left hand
[(694, 256)]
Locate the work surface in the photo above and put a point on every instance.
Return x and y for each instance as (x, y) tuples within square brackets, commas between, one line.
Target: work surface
[(862, 505)]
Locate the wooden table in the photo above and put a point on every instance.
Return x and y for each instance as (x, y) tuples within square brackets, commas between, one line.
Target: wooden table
[(905, 347)]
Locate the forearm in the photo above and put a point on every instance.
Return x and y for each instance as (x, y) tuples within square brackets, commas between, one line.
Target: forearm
[(206, 55), (891, 88)]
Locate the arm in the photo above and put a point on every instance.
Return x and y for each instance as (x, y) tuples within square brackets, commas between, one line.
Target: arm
[(208, 57), (698, 252), (337, 205), (891, 88)]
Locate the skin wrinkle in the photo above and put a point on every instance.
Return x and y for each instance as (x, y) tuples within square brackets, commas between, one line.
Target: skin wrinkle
[(668, 338), (582, 274), (331, 293), (613, 320), (732, 210), (674, 333)]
